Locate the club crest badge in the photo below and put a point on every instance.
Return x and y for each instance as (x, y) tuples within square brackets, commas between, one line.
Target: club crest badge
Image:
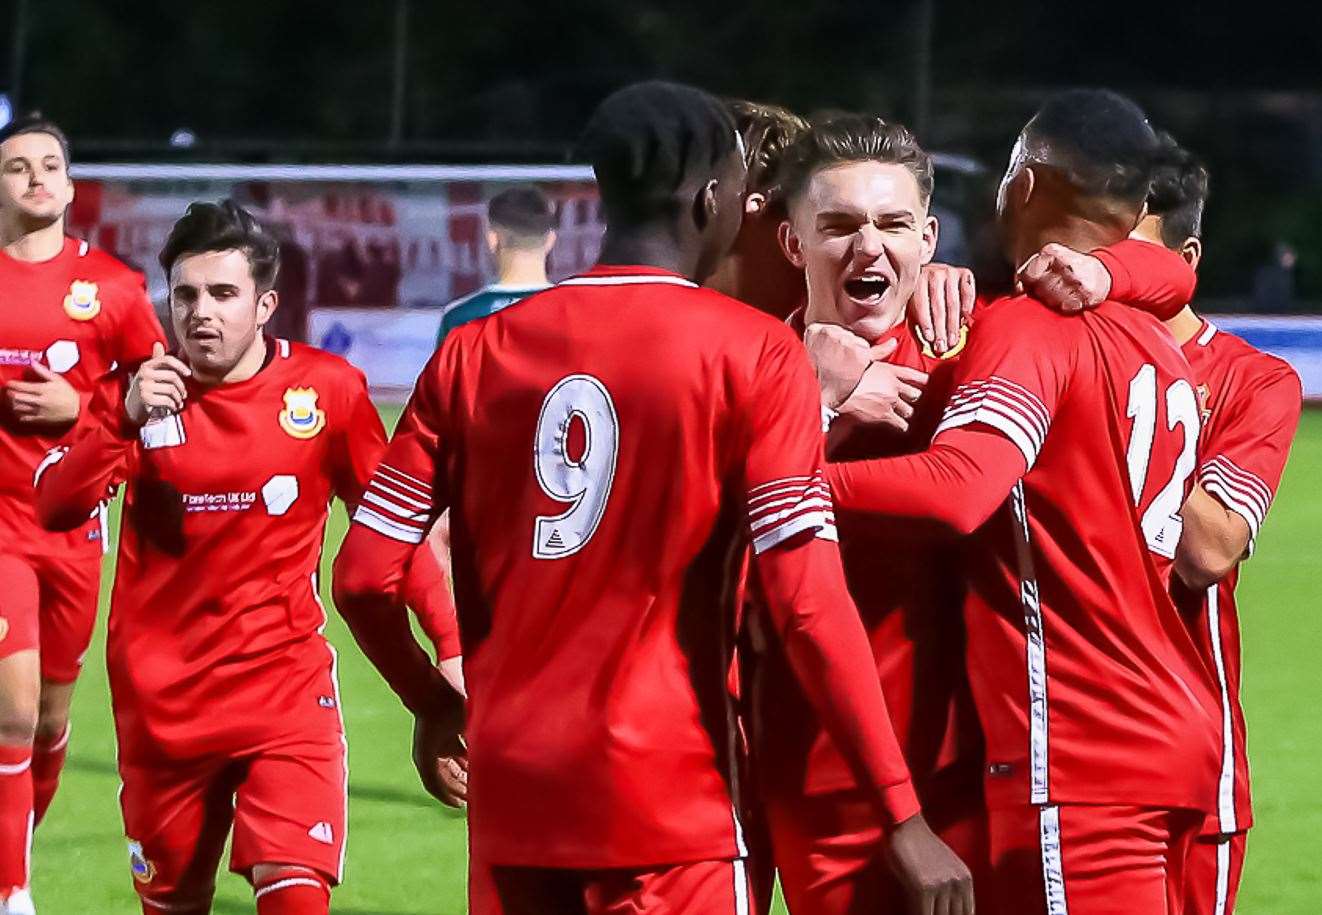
[(948, 354), (301, 417), (143, 870), (82, 303)]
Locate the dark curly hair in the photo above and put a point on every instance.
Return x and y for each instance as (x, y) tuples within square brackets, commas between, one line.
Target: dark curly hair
[(224, 226)]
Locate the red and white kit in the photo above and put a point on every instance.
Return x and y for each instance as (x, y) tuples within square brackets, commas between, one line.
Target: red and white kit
[(1091, 424), (224, 693), (1250, 403), (597, 578), (78, 315), (909, 584)]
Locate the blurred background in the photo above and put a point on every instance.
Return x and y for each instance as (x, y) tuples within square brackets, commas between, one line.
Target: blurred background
[(170, 102)]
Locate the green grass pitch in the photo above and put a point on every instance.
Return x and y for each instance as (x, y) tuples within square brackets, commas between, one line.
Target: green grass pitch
[(406, 853)]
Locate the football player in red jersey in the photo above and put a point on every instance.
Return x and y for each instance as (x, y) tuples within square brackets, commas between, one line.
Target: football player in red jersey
[(860, 226), (596, 578), (68, 312), (1250, 403), (1097, 711), (230, 450), (754, 270)]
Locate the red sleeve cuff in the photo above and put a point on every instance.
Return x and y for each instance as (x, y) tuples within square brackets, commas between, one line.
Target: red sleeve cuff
[(1167, 283), (900, 802)]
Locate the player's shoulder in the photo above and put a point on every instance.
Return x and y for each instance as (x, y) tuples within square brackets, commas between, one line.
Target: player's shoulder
[(104, 267), (315, 364), (1019, 316), (1257, 368)]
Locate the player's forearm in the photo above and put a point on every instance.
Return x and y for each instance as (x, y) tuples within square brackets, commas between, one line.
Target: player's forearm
[(427, 594), (828, 650), (1148, 277), (369, 577), (71, 483), (959, 482), (1213, 541)]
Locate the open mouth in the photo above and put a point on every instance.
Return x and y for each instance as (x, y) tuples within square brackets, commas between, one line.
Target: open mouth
[(204, 336), (867, 289)]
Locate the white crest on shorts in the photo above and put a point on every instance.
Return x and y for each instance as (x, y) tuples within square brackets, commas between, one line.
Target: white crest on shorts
[(323, 833)]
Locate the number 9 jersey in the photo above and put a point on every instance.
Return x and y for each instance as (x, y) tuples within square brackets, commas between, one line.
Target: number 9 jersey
[(607, 448)]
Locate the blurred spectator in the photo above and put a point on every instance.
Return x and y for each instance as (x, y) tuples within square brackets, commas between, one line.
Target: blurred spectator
[(1273, 283)]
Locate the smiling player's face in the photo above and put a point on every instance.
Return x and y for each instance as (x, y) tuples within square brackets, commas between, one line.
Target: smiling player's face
[(861, 232), (216, 309)]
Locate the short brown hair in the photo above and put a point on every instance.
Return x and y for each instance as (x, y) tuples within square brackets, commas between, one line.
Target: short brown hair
[(35, 123), (768, 131), (844, 138)]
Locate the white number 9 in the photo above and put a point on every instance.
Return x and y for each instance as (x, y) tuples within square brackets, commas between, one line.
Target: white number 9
[(583, 481)]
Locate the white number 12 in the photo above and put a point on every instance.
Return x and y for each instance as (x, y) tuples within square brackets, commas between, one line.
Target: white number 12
[(1162, 523), (583, 482)]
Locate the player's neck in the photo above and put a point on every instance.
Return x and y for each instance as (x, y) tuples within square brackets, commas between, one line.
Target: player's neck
[(647, 251), (521, 268), (1185, 325), (32, 245), (1068, 229)]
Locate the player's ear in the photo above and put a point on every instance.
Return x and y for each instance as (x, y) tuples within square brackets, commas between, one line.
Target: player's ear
[(493, 241), (931, 234), (1022, 186), (706, 207), (550, 241), (790, 244), (754, 203), (267, 303), (1192, 251)]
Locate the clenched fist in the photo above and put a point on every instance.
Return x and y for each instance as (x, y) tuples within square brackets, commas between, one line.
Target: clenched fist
[(158, 387)]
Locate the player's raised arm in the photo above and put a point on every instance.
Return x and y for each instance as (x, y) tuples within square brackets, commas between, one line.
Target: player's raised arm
[(1136, 273), (798, 566), (77, 477)]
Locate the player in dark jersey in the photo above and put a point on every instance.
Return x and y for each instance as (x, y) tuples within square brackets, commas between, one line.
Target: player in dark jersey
[(520, 235), (596, 577), (68, 313)]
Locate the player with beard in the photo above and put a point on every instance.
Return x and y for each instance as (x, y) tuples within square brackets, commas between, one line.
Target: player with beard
[(68, 313), (858, 191)]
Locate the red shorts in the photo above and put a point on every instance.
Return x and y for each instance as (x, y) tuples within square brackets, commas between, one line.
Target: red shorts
[(1211, 877), (707, 887), (49, 603), (1088, 860), (830, 852), (287, 805)]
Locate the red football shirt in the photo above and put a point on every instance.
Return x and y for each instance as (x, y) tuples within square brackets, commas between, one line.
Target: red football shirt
[(606, 448), (1088, 686), (215, 620), (1251, 404), (78, 314), (909, 591)]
